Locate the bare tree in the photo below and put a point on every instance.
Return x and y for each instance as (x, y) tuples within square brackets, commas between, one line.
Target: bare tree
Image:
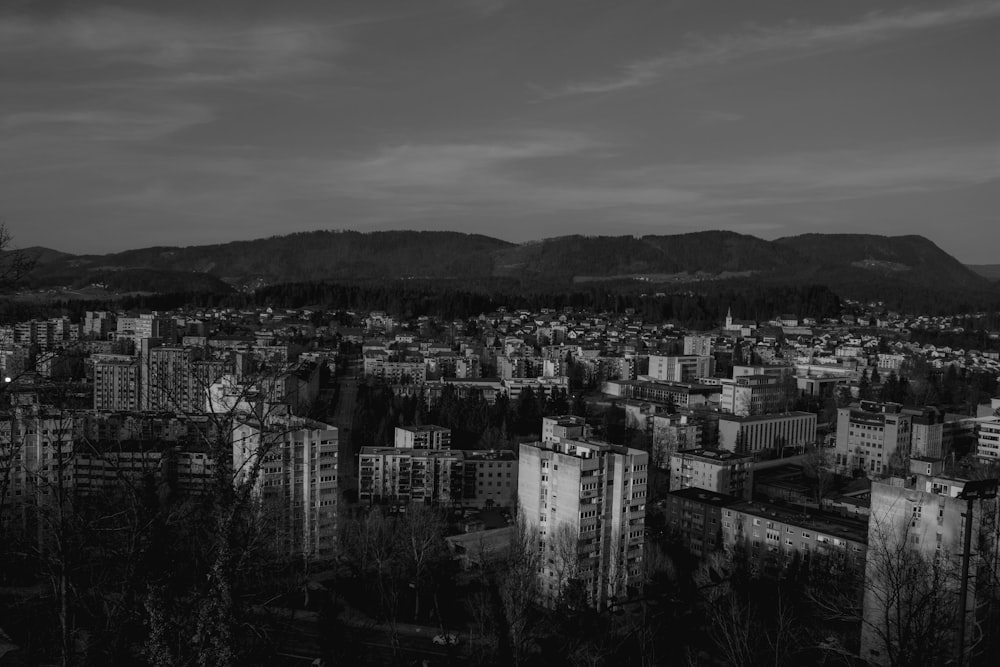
[(15, 265), (518, 589), (910, 599), (817, 466), (422, 536)]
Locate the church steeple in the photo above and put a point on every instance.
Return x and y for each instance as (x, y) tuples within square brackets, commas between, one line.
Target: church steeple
[(729, 318)]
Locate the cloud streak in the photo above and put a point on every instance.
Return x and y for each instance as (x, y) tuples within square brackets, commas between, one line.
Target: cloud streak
[(104, 124), (789, 39), (191, 51)]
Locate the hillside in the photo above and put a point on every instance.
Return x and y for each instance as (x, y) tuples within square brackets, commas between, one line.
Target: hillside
[(301, 257), (899, 269), (713, 253), (988, 271)]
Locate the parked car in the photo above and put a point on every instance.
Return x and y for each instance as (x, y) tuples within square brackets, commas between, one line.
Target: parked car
[(446, 639)]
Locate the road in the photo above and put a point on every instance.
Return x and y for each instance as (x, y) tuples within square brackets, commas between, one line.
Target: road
[(298, 642)]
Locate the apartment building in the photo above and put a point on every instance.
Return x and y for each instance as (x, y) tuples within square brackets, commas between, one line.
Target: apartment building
[(988, 440), (116, 382), (423, 437), (871, 436), (766, 536), (300, 461), (495, 477), (586, 501), (146, 325), (381, 366), (694, 517), (400, 476), (712, 470), (673, 431), (926, 431), (98, 324), (564, 427), (72, 454), (699, 346), (756, 434), (519, 366), (916, 545), (176, 378)]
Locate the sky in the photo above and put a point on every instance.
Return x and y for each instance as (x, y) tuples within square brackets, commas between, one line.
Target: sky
[(133, 124)]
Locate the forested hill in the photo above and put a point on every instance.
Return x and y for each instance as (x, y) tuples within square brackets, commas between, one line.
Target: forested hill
[(868, 267), (322, 255)]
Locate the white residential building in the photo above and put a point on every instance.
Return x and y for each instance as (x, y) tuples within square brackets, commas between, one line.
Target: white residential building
[(587, 503)]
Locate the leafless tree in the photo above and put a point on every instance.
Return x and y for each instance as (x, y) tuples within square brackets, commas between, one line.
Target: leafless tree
[(15, 265), (422, 537), (910, 599), (817, 466), (518, 588)]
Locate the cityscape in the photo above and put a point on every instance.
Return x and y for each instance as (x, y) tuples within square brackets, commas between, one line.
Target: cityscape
[(488, 333), (269, 485)]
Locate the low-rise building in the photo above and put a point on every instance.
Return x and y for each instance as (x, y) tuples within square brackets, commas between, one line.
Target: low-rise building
[(756, 434), (712, 470)]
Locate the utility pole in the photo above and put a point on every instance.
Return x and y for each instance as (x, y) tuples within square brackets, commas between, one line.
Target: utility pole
[(974, 490)]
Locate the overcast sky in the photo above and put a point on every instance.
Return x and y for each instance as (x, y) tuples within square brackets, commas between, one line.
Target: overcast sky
[(131, 124)]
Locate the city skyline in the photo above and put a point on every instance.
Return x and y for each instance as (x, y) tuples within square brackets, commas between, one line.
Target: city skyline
[(129, 125)]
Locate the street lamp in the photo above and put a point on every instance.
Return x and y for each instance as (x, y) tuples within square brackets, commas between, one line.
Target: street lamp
[(978, 489)]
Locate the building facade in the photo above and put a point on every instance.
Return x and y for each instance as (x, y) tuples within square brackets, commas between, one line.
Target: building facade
[(423, 437), (712, 470), (688, 368), (116, 382), (913, 571), (299, 462), (586, 502), (871, 436), (759, 433)]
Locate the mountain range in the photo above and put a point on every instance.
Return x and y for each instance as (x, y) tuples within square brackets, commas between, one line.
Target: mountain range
[(855, 265)]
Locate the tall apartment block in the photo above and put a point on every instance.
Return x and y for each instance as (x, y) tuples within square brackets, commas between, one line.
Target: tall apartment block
[(174, 379), (915, 537), (299, 461), (423, 437), (116, 382), (926, 432), (586, 501)]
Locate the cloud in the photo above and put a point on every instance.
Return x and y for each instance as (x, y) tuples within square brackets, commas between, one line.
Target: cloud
[(570, 173), (792, 38), (544, 175), (833, 175), (194, 51), (450, 164), (710, 117), (97, 124)]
